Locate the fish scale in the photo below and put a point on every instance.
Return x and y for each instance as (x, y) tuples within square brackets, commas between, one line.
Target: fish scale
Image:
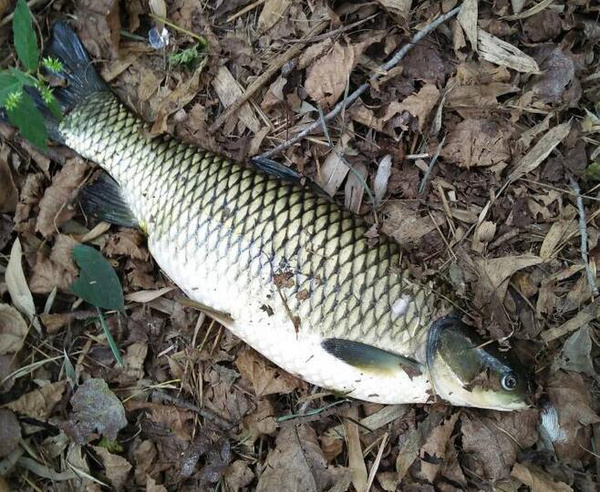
[(228, 234)]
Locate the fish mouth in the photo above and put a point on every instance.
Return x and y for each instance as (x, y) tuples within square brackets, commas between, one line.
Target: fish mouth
[(464, 370)]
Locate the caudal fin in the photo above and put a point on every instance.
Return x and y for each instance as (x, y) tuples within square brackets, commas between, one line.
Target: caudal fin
[(80, 75)]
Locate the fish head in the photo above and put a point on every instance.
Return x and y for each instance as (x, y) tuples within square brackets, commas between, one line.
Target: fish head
[(467, 371)]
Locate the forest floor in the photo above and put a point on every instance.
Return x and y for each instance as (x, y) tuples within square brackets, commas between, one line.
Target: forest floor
[(479, 153)]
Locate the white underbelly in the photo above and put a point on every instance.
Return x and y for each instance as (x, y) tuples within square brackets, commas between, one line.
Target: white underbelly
[(272, 333)]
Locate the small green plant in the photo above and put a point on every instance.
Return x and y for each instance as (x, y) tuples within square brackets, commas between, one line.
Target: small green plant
[(189, 58), (20, 107), (99, 285)]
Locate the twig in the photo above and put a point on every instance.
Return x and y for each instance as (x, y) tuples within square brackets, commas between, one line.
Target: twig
[(382, 70), (434, 159), (591, 277), (267, 74)]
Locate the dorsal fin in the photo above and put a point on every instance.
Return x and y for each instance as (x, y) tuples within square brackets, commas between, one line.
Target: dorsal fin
[(370, 359)]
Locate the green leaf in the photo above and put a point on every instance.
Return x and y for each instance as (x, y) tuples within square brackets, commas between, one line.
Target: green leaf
[(98, 283), (8, 85), (25, 37), (30, 122), (592, 172)]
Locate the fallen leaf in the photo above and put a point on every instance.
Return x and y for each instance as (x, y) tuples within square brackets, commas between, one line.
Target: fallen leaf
[(398, 9), (10, 432), (576, 354), (467, 18), (297, 461), (326, 78), (540, 150), (572, 399), (585, 315), (402, 221), (95, 409), (334, 170), (238, 475), (496, 438), (271, 13), (152, 486), (544, 26), (500, 52), (17, 285), (100, 27), (265, 378), (9, 195), (418, 105), (127, 242), (538, 480), (39, 403), (433, 452), (380, 183), (55, 208), (478, 143), (56, 271), (229, 91), (354, 190), (116, 467), (145, 458), (557, 83), (13, 330), (144, 296)]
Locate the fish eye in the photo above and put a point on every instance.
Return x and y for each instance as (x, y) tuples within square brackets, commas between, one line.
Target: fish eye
[(509, 381)]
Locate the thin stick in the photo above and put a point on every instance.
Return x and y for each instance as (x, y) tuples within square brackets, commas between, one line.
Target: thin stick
[(591, 277), (382, 70), (434, 159), (267, 74)]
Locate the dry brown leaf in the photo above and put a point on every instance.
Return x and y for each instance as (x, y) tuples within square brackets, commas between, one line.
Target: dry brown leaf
[(478, 143), (100, 27), (144, 296), (145, 457), (478, 97), (54, 322), (559, 230), (9, 195), (398, 9), (55, 208), (356, 462), (380, 183), (271, 13), (229, 91), (495, 273), (402, 221), (13, 330), (355, 187), (572, 400), (39, 403), (127, 242), (500, 52), (588, 313), (468, 21), (557, 83), (538, 480), (152, 486), (334, 170), (10, 432), (541, 150), (418, 105), (265, 378), (496, 438), (297, 461), (117, 468), (238, 475), (326, 79), (17, 285), (432, 453), (57, 270)]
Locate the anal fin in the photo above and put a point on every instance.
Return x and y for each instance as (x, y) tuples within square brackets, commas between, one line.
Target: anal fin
[(370, 359), (104, 200)]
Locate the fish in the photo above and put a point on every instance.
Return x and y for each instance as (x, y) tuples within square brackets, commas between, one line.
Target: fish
[(280, 264)]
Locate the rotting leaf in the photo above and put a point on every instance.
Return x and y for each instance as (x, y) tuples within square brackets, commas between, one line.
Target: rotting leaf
[(13, 330), (39, 403), (98, 282), (95, 409)]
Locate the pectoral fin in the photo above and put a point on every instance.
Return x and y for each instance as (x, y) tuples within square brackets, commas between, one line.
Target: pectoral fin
[(370, 359), (104, 200)]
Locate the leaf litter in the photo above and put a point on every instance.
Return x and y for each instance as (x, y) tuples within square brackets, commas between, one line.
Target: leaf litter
[(508, 91)]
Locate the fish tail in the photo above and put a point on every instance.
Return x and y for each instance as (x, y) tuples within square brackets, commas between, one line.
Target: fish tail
[(80, 76)]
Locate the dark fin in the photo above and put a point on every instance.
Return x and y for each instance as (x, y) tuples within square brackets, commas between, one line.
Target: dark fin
[(80, 76), (280, 171), (104, 200), (368, 358)]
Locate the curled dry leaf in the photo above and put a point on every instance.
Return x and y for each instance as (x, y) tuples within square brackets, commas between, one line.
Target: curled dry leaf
[(238, 475), (10, 432), (55, 208), (13, 330), (56, 271), (95, 409), (265, 378), (467, 18), (17, 285), (384, 170), (38, 404), (9, 195)]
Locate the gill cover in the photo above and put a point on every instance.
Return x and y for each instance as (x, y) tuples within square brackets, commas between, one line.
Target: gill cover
[(466, 371)]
